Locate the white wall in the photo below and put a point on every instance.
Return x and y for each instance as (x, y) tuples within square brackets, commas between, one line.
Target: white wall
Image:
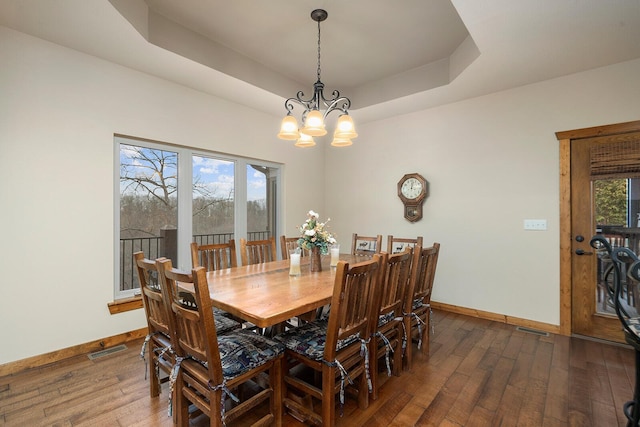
[(491, 162), (59, 110)]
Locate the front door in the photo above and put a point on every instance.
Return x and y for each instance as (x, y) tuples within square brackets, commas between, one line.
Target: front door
[(605, 198)]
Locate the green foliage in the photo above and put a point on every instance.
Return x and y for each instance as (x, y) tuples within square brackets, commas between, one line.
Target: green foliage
[(611, 201)]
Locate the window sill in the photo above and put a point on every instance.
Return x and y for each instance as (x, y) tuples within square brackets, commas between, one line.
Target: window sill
[(123, 305)]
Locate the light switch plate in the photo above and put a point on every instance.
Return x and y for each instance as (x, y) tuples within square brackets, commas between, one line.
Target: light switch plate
[(535, 224)]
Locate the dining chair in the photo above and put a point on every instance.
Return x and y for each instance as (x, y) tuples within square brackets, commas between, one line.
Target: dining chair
[(214, 256), (157, 343), (210, 367), (334, 349), (289, 243), (417, 304), (388, 329), (366, 245), (258, 251), (396, 245)]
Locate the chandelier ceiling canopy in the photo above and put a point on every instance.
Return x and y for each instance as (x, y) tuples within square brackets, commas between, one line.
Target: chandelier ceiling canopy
[(313, 118)]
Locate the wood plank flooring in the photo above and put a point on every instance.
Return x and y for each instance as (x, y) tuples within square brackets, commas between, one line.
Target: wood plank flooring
[(479, 373)]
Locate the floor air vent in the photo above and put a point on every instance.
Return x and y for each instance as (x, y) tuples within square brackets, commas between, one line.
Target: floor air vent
[(107, 352), (532, 331)]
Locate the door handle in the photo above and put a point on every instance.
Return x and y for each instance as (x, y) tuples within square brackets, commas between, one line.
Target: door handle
[(582, 252)]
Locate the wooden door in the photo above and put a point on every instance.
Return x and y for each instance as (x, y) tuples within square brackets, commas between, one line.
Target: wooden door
[(589, 169)]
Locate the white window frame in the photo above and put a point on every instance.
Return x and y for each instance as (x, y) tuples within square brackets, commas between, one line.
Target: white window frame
[(185, 168)]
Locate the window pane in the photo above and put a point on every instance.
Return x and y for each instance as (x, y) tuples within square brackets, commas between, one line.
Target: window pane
[(611, 201), (261, 198), (213, 200), (148, 207)]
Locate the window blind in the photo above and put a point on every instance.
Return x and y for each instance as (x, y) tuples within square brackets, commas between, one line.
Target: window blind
[(619, 158)]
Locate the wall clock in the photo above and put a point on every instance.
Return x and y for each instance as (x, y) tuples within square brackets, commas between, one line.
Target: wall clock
[(412, 190)]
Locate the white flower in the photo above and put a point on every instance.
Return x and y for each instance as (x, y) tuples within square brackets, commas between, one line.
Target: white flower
[(314, 233)]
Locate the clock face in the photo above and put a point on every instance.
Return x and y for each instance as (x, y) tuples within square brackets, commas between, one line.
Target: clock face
[(411, 188)]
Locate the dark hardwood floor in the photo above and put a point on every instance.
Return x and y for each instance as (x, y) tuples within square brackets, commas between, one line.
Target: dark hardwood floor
[(479, 373)]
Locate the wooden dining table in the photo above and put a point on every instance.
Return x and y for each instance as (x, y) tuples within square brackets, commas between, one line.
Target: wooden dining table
[(265, 294)]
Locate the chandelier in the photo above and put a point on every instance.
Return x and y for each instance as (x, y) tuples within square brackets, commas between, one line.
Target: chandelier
[(313, 118)]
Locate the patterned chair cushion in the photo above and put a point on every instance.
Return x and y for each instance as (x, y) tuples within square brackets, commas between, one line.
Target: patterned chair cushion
[(417, 303), (383, 319), (224, 324), (220, 312), (309, 339), (243, 350)]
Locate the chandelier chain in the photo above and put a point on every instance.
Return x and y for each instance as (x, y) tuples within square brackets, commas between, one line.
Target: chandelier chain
[(318, 50)]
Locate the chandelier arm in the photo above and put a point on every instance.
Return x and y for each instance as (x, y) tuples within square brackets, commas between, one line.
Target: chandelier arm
[(325, 101), (333, 105), (307, 104)]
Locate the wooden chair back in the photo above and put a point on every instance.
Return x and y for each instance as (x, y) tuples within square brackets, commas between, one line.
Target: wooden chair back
[(191, 317), (417, 305), (387, 326), (423, 275), (258, 251), (353, 302), (289, 243), (395, 282), (154, 307), (157, 341), (366, 245), (215, 256), (396, 245)]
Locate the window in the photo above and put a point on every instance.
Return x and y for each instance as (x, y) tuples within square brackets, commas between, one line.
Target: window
[(261, 194), (169, 196), (213, 200)]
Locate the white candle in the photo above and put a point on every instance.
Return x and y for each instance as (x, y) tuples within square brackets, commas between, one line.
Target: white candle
[(294, 265), (335, 255)]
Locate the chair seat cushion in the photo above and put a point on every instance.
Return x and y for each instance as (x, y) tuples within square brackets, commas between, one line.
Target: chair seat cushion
[(221, 312), (309, 339), (224, 324), (383, 319), (417, 303), (243, 350)]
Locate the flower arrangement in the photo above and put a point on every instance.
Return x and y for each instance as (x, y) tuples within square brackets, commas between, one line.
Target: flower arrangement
[(315, 234)]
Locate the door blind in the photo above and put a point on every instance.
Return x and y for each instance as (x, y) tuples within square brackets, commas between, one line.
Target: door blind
[(616, 157)]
